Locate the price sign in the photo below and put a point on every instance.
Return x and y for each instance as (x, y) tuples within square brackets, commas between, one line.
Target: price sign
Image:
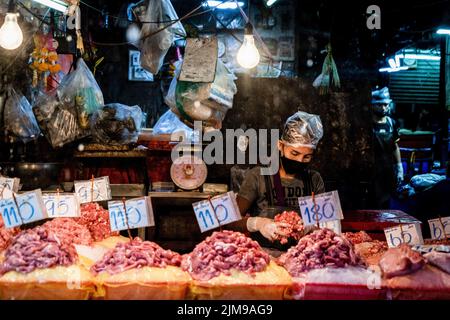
[(11, 184), (220, 211), (325, 207), (62, 205), (440, 228), (28, 207), (334, 225), (410, 234), (137, 213), (93, 191)]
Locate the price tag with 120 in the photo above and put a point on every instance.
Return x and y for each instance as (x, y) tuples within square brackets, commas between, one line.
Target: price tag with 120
[(62, 205), (440, 228), (93, 191), (409, 233), (136, 213), (220, 211), (325, 207), (28, 207)]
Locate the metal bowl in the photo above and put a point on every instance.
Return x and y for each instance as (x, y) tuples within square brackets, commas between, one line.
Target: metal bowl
[(33, 175)]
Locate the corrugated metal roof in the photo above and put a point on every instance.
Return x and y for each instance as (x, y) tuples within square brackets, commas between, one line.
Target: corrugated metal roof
[(420, 85)]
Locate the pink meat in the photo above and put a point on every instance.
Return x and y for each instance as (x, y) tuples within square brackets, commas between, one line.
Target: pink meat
[(358, 237), (96, 219), (295, 228), (322, 248), (37, 248), (136, 254), (6, 235), (66, 229), (223, 251), (400, 261)]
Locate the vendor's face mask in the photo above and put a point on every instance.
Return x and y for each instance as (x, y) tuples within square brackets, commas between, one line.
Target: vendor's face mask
[(295, 160)]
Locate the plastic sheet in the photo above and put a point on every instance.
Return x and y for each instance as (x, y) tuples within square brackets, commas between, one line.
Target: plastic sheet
[(19, 118), (116, 124), (429, 283), (58, 283), (351, 283), (148, 283), (272, 284), (158, 37)]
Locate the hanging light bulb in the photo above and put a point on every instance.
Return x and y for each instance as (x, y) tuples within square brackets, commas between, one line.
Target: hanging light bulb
[(248, 55), (11, 35)]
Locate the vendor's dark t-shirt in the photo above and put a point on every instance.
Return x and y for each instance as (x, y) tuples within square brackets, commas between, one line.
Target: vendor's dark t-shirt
[(254, 190)]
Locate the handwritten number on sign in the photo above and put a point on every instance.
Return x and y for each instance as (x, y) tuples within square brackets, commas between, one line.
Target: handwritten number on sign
[(203, 215), (137, 215), (10, 213), (26, 211)]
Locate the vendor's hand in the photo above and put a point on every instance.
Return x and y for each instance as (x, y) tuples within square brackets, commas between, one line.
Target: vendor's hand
[(267, 227), (398, 169)]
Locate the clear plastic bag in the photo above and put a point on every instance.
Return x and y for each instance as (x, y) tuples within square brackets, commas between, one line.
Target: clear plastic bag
[(208, 102), (117, 124), (158, 37), (58, 121), (169, 123), (80, 90), (19, 118)]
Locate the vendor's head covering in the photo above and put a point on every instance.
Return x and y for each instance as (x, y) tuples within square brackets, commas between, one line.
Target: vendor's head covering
[(302, 130), (381, 96)]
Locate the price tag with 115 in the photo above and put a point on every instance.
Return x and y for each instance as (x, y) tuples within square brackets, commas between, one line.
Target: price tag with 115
[(62, 205)]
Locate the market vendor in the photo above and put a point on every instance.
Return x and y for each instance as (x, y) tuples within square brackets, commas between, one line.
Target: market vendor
[(388, 173), (301, 134)]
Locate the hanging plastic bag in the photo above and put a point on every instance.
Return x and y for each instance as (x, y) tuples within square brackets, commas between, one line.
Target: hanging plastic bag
[(80, 90), (169, 123), (208, 102), (329, 76), (58, 121), (157, 38), (170, 99), (117, 124), (19, 118)]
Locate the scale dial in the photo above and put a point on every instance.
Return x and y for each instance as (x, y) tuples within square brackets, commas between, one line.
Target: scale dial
[(188, 172)]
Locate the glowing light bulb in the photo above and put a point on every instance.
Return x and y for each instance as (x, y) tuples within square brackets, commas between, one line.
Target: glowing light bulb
[(248, 55), (133, 33), (11, 35)]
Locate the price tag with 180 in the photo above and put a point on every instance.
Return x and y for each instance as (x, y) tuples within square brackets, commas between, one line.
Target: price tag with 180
[(409, 233), (219, 211), (325, 207), (138, 214), (62, 205), (29, 208)]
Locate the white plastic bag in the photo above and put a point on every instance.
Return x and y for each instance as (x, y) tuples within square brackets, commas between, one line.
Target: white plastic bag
[(169, 123), (157, 38), (208, 102), (19, 118)]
